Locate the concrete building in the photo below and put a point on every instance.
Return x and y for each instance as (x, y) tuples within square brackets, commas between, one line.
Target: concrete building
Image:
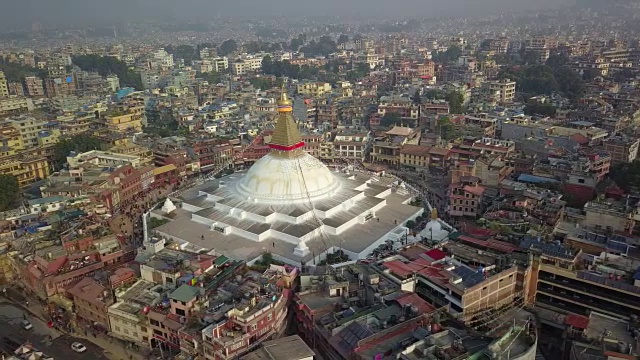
[(14, 105), (4, 86), (102, 159), (560, 281), (127, 316), (122, 120), (622, 149), (247, 64), (504, 90), (60, 86), (313, 89), (415, 156), (286, 348), (34, 86), (447, 282), (91, 301)]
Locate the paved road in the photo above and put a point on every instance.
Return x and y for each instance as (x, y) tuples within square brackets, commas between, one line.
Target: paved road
[(58, 346)]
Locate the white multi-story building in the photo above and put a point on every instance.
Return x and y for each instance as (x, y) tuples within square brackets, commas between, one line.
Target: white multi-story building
[(4, 89), (150, 80), (246, 64), (504, 90), (163, 59), (221, 64)]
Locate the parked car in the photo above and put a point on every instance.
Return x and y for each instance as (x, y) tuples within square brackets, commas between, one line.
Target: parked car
[(78, 347), (26, 325)]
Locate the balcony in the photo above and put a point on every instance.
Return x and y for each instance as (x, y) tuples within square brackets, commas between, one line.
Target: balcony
[(574, 302), (583, 287)]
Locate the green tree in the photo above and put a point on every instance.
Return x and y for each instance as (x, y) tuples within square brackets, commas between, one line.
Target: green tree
[(296, 44), (323, 47), (411, 224), (9, 192), (390, 119), (185, 52), (540, 109), (228, 47), (446, 129), (626, 176), (15, 72), (456, 102), (557, 60), (76, 143), (416, 98), (107, 65), (210, 77), (434, 94), (450, 55), (343, 39)]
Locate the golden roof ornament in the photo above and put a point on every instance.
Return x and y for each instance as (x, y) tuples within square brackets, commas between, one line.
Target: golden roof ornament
[(286, 137)]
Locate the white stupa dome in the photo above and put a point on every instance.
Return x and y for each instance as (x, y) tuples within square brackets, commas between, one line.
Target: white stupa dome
[(275, 179), (433, 230), (433, 226), (287, 174)]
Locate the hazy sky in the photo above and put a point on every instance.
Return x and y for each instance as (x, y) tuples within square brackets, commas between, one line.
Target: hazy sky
[(17, 12)]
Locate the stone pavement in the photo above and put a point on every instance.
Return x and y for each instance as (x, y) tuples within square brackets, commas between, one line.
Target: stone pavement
[(114, 348)]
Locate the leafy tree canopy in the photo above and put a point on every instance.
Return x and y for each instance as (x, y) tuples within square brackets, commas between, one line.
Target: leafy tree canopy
[(540, 109), (544, 79), (107, 65), (9, 192), (185, 52), (211, 77), (390, 119), (228, 47), (16, 73), (452, 54), (324, 46), (78, 143), (626, 175), (456, 102)]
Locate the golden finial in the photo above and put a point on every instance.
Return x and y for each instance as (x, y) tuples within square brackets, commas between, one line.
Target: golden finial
[(284, 104), (284, 98), (434, 214), (286, 138)]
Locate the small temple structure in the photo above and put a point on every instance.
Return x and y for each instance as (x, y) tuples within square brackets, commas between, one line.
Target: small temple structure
[(434, 231), (289, 204)]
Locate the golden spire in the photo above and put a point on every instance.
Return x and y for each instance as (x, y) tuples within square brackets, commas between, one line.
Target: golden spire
[(286, 137), (434, 214)]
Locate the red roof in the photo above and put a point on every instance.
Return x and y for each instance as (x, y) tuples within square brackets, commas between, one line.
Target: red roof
[(56, 264), (577, 321), (436, 254), (491, 244), (422, 261), (399, 268), (579, 138), (475, 190), (415, 300)]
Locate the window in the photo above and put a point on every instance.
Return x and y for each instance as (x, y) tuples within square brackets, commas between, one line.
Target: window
[(154, 323), (269, 317), (581, 181), (254, 327), (117, 328)]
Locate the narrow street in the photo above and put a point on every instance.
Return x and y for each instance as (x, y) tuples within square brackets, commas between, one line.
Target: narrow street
[(45, 339)]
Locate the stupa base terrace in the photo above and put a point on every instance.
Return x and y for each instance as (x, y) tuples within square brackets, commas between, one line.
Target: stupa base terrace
[(359, 215)]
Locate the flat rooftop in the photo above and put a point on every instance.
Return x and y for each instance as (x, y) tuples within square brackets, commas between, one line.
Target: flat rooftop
[(286, 348)]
